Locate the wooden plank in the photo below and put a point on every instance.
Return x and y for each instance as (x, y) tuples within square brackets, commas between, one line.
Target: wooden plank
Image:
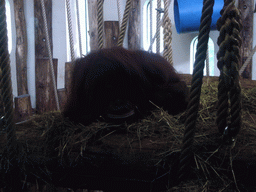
[(93, 25), (45, 100), (134, 31), (23, 109), (62, 94), (40, 37), (246, 7), (111, 33), (68, 75), (21, 47)]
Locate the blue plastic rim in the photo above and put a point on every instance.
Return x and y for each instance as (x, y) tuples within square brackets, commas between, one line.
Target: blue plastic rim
[(187, 14)]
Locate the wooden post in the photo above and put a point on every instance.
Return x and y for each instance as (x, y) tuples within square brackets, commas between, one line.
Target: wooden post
[(93, 25), (45, 100), (111, 31), (246, 7), (21, 47), (68, 74), (62, 94), (40, 37), (134, 31), (23, 109)]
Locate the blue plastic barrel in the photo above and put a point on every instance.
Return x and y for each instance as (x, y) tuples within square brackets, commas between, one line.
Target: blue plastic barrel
[(187, 14)]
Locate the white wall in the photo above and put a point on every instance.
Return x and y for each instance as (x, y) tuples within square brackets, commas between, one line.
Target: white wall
[(29, 16), (180, 42), (59, 38)]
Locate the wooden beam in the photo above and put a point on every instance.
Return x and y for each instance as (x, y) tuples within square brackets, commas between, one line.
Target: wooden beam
[(21, 47), (93, 25), (40, 37), (68, 75), (247, 8), (23, 109), (62, 94), (134, 31), (45, 100), (111, 31)]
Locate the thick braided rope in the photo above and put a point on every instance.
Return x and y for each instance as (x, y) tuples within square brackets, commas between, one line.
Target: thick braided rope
[(100, 22), (124, 23), (167, 34), (229, 42), (50, 55), (186, 157), (70, 31), (158, 26), (12, 173), (151, 23), (119, 12), (79, 27), (1, 101), (6, 84), (207, 63)]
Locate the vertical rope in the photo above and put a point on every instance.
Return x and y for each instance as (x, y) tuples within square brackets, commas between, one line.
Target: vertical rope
[(229, 42), (119, 13), (151, 23), (12, 174), (50, 55), (167, 34), (86, 24), (1, 102), (186, 157), (207, 63), (100, 22), (70, 31), (79, 28), (124, 23), (154, 38), (6, 84), (158, 26)]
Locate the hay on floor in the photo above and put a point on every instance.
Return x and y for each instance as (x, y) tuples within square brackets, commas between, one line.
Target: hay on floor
[(150, 140)]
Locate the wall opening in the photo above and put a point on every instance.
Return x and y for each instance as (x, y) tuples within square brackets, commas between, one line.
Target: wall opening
[(84, 27), (193, 46), (146, 25)]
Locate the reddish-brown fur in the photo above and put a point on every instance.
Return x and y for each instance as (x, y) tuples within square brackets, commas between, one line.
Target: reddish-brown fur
[(110, 74)]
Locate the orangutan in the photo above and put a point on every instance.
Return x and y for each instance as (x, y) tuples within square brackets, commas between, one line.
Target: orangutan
[(118, 84)]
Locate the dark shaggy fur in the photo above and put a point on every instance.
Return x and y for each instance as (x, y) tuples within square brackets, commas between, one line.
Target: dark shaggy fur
[(108, 75)]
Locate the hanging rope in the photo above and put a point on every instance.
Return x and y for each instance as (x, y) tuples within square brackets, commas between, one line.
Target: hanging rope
[(167, 34), (100, 22), (79, 28), (158, 26), (70, 31), (50, 55), (151, 22), (247, 61), (154, 38), (119, 13), (186, 157), (229, 91), (6, 85), (124, 23), (12, 175), (207, 63)]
